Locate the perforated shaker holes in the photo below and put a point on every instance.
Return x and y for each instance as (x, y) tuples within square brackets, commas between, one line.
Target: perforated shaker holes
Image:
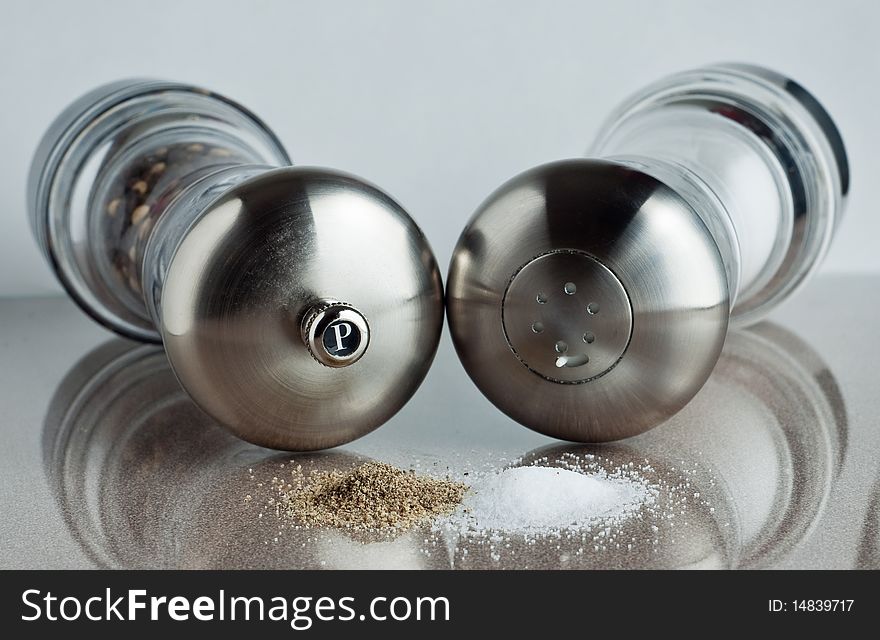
[(566, 316)]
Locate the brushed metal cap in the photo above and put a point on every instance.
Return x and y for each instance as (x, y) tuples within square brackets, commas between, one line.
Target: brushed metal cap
[(255, 284), (587, 300)]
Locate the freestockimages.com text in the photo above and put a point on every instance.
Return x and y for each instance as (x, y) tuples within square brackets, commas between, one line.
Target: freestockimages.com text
[(300, 612)]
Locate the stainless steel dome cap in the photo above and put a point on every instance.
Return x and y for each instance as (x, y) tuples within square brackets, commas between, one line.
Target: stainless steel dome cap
[(587, 300), (270, 253), (80, 142)]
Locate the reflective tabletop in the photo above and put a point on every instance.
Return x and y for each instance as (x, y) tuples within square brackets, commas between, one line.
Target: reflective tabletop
[(106, 463)]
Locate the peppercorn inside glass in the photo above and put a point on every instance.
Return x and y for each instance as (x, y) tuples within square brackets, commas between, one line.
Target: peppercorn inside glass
[(140, 194)]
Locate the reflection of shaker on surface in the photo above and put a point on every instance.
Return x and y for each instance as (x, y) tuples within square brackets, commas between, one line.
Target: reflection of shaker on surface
[(169, 214), (771, 425), (777, 435), (869, 546), (145, 479), (589, 299), (743, 473)]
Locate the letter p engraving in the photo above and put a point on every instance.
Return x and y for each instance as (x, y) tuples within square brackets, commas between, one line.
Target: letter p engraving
[(335, 333), (341, 330), (341, 338)]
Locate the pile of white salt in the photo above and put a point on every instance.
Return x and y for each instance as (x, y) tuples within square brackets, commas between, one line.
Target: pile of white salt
[(534, 499)]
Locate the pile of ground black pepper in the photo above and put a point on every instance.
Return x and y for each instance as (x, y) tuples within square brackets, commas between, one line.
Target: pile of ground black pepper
[(373, 496)]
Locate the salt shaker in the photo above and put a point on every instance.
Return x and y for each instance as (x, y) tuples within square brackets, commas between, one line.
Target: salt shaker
[(299, 307), (589, 299)]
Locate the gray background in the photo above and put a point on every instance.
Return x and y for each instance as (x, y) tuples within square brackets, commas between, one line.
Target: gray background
[(438, 103)]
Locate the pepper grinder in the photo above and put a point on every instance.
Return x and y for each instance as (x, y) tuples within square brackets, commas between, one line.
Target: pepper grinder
[(299, 307), (589, 298)]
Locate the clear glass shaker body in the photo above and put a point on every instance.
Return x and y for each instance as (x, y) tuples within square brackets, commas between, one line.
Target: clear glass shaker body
[(757, 158)]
